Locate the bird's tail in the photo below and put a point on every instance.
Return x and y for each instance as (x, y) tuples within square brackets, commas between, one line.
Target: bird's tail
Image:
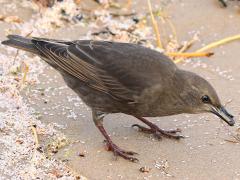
[(20, 42)]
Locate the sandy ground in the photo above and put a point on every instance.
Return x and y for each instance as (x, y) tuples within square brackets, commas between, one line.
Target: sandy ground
[(204, 154)]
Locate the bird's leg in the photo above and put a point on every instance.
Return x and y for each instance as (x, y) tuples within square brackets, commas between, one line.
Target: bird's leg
[(98, 120), (154, 129)]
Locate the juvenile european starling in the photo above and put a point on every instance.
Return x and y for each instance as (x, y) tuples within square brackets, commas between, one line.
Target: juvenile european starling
[(113, 77)]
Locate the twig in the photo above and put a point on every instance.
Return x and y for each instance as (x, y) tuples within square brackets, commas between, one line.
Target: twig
[(25, 66), (25, 71), (215, 44), (220, 42), (34, 130), (186, 46), (123, 14), (15, 57), (231, 141), (104, 31), (155, 26), (10, 19), (114, 5), (174, 32), (189, 55)]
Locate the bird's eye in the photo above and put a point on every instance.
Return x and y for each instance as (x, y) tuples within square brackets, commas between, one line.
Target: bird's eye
[(206, 99)]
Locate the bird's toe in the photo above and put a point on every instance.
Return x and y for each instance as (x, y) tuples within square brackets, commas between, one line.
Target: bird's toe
[(117, 151), (159, 133), (143, 129)]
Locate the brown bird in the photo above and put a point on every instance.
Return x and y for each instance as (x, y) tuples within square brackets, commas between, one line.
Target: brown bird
[(112, 77)]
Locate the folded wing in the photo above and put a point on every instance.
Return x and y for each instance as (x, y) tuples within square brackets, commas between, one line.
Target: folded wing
[(121, 70)]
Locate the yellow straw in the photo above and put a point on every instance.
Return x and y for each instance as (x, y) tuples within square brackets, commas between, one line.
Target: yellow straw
[(219, 43), (214, 44), (189, 55), (155, 26)]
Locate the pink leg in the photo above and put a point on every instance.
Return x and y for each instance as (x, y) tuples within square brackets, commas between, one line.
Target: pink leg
[(98, 120)]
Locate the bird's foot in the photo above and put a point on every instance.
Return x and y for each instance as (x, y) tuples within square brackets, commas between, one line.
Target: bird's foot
[(117, 151), (159, 133)]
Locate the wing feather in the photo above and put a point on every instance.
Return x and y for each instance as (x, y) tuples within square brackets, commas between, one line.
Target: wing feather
[(90, 73)]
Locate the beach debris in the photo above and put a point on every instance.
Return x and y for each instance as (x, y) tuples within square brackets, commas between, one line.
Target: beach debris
[(190, 54), (145, 169), (81, 154), (155, 26), (56, 143), (11, 19), (35, 135), (163, 165), (44, 3), (232, 141), (219, 43), (56, 173), (214, 45), (25, 69)]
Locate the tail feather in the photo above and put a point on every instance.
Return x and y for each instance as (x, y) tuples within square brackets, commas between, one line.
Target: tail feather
[(20, 42)]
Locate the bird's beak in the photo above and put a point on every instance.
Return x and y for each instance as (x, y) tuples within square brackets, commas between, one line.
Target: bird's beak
[(224, 115)]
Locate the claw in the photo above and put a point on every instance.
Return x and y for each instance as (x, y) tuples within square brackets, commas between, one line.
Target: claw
[(173, 131), (135, 160), (122, 153), (160, 132), (142, 128), (173, 136)]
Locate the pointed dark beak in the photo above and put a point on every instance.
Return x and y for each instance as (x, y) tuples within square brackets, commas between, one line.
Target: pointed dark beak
[(224, 115)]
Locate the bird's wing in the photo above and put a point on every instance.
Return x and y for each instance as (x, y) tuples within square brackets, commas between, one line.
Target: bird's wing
[(119, 69), (134, 66)]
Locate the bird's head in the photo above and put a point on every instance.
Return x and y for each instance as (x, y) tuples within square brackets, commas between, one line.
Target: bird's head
[(200, 97)]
